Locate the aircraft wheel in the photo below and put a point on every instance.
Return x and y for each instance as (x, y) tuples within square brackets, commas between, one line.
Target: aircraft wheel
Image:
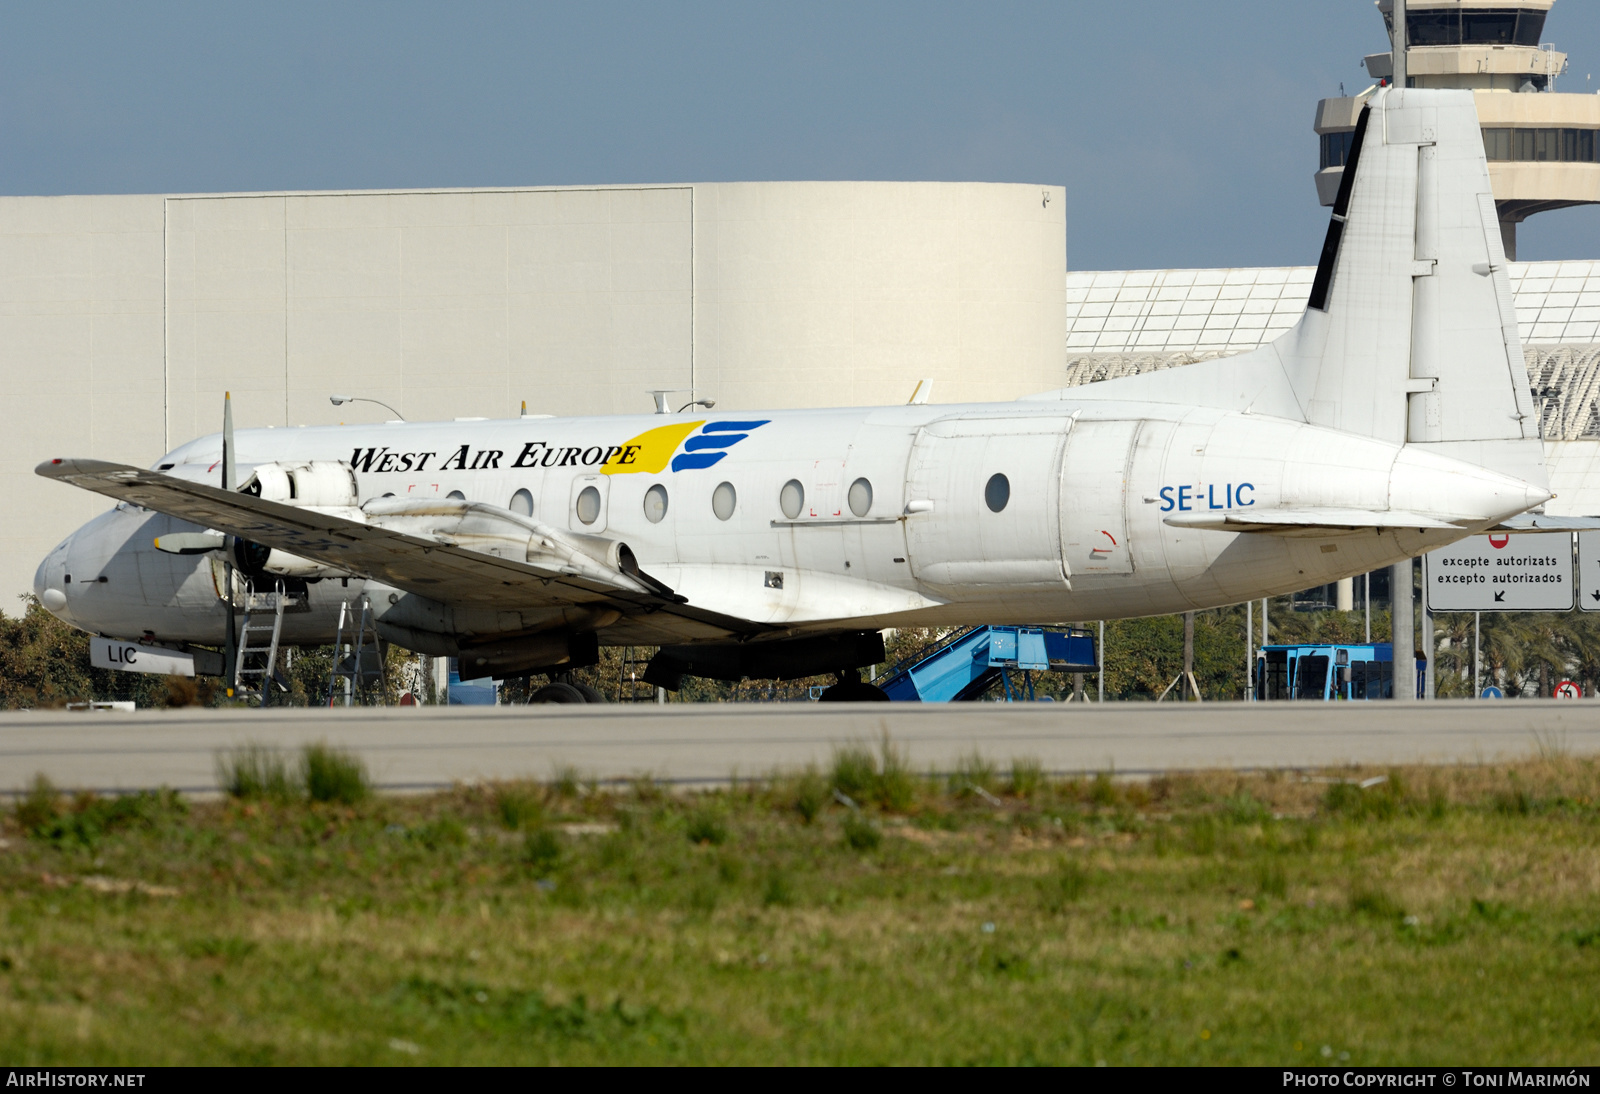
[(590, 695), (853, 691), (558, 693)]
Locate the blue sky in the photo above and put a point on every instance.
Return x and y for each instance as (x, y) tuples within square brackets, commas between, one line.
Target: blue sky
[(1181, 130)]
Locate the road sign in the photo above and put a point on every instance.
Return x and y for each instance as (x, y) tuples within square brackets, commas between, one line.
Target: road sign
[(1501, 573), (1492, 692), (1568, 690), (1589, 571)]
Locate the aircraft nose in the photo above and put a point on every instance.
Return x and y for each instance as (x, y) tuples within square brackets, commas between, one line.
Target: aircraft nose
[(48, 583)]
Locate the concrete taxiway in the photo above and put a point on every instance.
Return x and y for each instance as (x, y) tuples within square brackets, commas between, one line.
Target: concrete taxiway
[(428, 747)]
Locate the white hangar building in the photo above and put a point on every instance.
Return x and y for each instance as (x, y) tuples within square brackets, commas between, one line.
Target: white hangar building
[(123, 319)]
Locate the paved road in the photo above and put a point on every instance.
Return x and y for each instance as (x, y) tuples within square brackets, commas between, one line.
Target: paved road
[(432, 747)]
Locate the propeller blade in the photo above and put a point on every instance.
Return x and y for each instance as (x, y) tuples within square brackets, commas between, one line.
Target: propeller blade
[(227, 440)]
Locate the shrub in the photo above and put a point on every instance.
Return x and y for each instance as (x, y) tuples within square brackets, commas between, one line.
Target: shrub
[(566, 782), (254, 771), (778, 890), (1516, 802), (1102, 791), (810, 795), (1379, 802), (972, 773), (895, 788), (92, 817), (885, 779), (1066, 886), (861, 834), (518, 808), (440, 833), (1272, 881), (542, 850), (38, 808), (854, 770), (332, 775), (1027, 776), (1371, 901), (707, 826), (1243, 808)]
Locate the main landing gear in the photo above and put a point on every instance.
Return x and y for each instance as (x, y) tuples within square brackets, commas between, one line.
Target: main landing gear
[(852, 689), (566, 690)]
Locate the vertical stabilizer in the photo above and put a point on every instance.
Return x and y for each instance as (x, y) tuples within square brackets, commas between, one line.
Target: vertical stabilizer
[(1410, 335)]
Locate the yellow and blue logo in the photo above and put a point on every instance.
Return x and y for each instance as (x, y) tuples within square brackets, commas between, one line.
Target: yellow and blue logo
[(703, 444)]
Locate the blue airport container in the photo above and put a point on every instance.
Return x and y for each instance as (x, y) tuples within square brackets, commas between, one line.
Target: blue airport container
[(471, 693)]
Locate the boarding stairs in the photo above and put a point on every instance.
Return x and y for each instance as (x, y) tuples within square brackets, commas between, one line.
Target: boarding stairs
[(965, 666)]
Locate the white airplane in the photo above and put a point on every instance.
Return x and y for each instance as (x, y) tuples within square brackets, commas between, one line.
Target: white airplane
[(1393, 419)]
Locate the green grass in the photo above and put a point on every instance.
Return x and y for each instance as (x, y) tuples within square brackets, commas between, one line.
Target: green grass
[(323, 774), (1438, 915)]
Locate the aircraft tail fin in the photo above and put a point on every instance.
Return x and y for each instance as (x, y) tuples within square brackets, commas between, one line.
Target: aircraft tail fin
[(1410, 335)]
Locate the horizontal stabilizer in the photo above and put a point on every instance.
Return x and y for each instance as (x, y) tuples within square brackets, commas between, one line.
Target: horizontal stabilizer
[(1538, 522), (1305, 522)]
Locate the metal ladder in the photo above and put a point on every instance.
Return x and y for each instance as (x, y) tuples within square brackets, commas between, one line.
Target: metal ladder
[(256, 605), (363, 662)]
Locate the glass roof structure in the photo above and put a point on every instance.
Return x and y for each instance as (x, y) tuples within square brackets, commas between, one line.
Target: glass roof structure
[(1214, 312), (1122, 323)]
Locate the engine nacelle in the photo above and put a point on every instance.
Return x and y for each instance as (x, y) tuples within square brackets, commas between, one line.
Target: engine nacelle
[(317, 484), (490, 642), (259, 561)]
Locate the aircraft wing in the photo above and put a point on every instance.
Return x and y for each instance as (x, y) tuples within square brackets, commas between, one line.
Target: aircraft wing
[(1304, 522), (430, 566)]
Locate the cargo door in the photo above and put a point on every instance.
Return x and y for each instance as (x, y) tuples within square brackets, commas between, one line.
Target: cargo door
[(1094, 497), (983, 500)]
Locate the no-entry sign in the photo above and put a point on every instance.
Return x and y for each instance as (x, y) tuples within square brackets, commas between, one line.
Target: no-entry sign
[(1501, 573)]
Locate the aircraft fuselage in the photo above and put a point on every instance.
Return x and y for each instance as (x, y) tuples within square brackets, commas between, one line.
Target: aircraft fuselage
[(811, 521)]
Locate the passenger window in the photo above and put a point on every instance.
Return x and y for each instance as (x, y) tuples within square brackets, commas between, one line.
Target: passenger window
[(723, 500), (997, 493), (589, 505), (522, 502), (655, 504), (860, 497), (456, 495), (792, 499)]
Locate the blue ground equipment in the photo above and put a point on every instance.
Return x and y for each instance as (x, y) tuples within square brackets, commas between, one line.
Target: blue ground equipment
[(1358, 671), (470, 693), (966, 665)]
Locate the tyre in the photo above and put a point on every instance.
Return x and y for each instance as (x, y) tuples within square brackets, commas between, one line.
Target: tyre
[(590, 695), (557, 693), (854, 691)]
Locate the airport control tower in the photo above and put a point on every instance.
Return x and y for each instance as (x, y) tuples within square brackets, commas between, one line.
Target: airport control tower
[(1542, 145)]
